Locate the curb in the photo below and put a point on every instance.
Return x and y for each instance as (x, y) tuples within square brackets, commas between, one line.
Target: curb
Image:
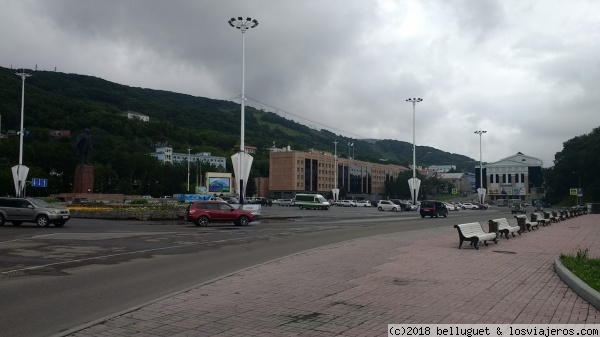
[(579, 287)]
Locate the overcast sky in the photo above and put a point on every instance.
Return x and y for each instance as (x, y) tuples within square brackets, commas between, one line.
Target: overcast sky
[(527, 72)]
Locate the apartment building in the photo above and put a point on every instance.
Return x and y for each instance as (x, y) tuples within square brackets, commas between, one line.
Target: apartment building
[(292, 172)]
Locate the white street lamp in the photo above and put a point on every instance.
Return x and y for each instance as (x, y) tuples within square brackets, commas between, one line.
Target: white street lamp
[(335, 191), (414, 183), (20, 171), (188, 180), (242, 25), (481, 190)]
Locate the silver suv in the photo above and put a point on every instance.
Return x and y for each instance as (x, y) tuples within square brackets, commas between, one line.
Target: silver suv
[(19, 210)]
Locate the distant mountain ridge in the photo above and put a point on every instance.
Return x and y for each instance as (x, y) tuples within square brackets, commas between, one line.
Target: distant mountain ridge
[(61, 101)]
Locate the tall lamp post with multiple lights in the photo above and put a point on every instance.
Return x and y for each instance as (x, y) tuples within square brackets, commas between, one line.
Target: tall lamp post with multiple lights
[(243, 25), (20, 171), (481, 190), (414, 183)]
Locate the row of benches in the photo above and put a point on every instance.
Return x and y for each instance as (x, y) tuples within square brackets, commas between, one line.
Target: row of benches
[(474, 233)]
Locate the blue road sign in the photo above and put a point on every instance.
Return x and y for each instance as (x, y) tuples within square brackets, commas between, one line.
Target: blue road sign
[(38, 182)]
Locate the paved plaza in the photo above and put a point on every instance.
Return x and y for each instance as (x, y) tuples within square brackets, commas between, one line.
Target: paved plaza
[(356, 288)]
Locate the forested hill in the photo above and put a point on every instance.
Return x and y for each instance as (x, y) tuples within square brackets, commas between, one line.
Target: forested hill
[(59, 101)]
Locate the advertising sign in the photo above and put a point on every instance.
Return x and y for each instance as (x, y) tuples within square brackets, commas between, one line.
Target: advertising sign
[(219, 185)]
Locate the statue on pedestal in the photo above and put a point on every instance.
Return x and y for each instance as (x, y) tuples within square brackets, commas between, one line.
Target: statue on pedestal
[(83, 147)]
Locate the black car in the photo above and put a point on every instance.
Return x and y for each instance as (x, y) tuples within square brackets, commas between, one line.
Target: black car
[(433, 208)]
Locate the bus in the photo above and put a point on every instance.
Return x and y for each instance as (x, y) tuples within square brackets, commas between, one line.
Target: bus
[(309, 201)]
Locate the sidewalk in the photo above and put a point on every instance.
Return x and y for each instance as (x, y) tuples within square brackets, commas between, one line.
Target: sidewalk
[(357, 287)]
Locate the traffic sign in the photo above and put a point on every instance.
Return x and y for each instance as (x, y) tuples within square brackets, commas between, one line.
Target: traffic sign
[(454, 191), (38, 182), (573, 191), (580, 192)]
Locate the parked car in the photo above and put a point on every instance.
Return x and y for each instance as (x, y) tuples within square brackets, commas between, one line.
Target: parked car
[(450, 207), (201, 213), (468, 205), (374, 203), (38, 211), (387, 205), (363, 203), (404, 205), (286, 202), (433, 208), (482, 206), (347, 203), (518, 209)]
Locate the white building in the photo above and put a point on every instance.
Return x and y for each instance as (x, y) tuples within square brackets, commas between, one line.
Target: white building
[(515, 177), (165, 154), (442, 168), (137, 115)]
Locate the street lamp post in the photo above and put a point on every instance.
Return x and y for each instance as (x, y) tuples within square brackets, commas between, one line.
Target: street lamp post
[(20, 171), (414, 183), (481, 190), (242, 25), (335, 191), (188, 180), (578, 186)]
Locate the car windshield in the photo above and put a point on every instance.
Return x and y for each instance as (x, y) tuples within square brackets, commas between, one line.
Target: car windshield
[(40, 203)]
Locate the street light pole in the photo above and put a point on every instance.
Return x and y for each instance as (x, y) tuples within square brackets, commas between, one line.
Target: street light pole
[(242, 25), (188, 180), (414, 183), (481, 189), (335, 191), (20, 171), (578, 186)]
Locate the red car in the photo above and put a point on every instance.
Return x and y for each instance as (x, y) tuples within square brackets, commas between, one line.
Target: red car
[(201, 213)]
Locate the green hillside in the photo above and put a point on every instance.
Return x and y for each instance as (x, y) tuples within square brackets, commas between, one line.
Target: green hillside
[(58, 101)]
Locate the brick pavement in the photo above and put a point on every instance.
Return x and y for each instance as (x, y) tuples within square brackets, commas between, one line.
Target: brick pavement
[(356, 288)]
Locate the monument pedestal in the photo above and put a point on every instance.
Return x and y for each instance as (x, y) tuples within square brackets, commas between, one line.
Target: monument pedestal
[(84, 179)]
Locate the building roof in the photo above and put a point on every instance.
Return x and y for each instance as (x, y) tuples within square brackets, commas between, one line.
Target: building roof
[(451, 175)]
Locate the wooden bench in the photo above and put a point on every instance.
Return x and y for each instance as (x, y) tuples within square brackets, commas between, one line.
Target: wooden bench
[(548, 217), (539, 218), (555, 216), (474, 233), (504, 227), (525, 224)]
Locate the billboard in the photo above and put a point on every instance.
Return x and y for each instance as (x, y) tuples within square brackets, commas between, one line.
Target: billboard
[(219, 185)]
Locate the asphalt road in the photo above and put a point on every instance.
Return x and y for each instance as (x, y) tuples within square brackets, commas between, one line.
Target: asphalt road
[(53, 279)]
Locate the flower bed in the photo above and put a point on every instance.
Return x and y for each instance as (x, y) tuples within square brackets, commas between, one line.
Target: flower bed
[(126, 211)]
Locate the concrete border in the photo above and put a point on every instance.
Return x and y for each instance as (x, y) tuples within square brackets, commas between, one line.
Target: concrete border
[(578, 286)]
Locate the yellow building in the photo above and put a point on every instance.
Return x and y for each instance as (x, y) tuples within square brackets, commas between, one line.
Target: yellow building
[(292, 172)]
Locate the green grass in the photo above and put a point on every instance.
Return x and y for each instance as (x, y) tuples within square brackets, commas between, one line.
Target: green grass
[(584, 267)]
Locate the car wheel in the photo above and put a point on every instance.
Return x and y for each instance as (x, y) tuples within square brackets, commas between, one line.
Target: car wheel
[(395, 209), (446, 214), (243, 220), (2, 220), (42, 221), (59, 223), (380, 208), (201, 221)]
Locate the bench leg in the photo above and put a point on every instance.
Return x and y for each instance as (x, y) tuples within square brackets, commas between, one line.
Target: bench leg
[(474, 242)]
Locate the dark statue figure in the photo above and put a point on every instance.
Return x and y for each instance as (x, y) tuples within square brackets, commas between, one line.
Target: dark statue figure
[(83, 147)]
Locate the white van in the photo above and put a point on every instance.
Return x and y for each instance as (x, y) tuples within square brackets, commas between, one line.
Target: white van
[(308, 201)]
